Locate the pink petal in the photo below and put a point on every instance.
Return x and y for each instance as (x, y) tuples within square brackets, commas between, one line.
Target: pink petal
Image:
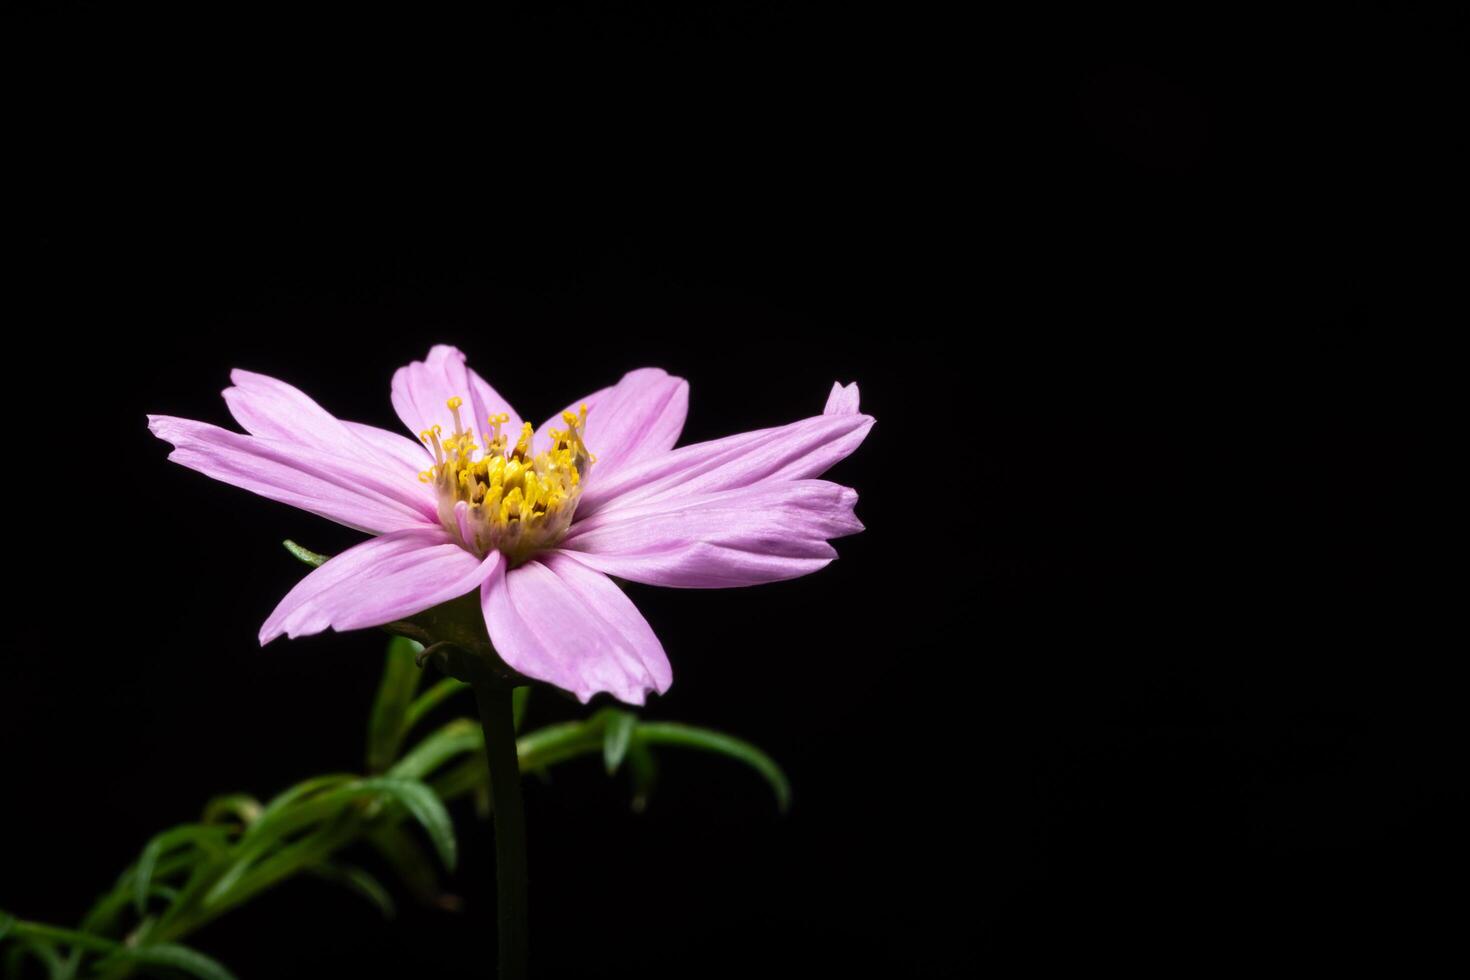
[(772, 531), (790, 452), (463, 523), (379, 581), (556, 620), (421, 392), (639, 417), (842, 401), (409, 454), (349, 491), (270, 408)]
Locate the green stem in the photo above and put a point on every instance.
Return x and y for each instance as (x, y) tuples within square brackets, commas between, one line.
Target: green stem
[(497, 714)]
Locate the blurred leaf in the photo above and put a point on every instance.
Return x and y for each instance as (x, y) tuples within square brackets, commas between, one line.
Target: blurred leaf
[(161, 844), (309, 803), (458, 736), (484, 804), (461, 779), (421, 803), (323, 804), (407, 859), (277, 809), (689, 737), (518, 699), (246, 880), (41, 941), (38, 948), (241, 806), (645, 774), (181, 958), (103, 914), (388, 723), (356, 879), (301, 554), (430, 700), (616, 737), (555, 743), (7, 922)]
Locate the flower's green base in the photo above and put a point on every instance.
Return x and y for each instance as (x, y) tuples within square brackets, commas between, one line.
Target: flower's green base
[(453, 634)]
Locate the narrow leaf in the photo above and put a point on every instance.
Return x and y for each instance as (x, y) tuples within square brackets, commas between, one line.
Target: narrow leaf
[(163, 843), (455, 738), (309, 803), (267, 822), (459, 780), (242, 806), (431, 699), (388, 723), (301, 554), (102, 917), (41, 950), (281, 864), (690, 737), (414, 868), (52, 936), (616, 737), (426, 808), (357, 880), (645, 774), (181, 958), (518, 699), (554, 743)]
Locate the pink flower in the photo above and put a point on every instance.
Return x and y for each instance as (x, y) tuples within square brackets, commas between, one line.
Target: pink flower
[(535, 520)]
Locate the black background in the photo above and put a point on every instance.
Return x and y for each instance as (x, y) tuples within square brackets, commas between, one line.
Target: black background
[(1142, 658)]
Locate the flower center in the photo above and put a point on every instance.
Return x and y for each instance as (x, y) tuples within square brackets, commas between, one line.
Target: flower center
[(507, 500)]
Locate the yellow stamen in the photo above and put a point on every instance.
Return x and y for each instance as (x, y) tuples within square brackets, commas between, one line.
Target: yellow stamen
[(520, 501)]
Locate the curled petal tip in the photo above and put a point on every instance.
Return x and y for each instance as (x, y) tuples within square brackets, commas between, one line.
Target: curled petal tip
[(843, 400)]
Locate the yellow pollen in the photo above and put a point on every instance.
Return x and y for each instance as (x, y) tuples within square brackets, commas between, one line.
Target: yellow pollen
[(520, 501)]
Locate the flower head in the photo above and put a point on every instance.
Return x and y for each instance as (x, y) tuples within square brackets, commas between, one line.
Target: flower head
[(536, 520)]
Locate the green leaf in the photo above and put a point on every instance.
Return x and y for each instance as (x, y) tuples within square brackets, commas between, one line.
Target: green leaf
[(301, 554), (357, 880), (7, 922), (690, 737), (554, 743), (455, 738), (407, 859), (431, 699), (616, 737), (163, 843), (103, 915), (518, 699), (645, 774), (308, 803), (242, 806), (388, 723), (182, 958), (280, 807), (466, 777), (41, 950), (245, 880), (426, 808), (52, 936)]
